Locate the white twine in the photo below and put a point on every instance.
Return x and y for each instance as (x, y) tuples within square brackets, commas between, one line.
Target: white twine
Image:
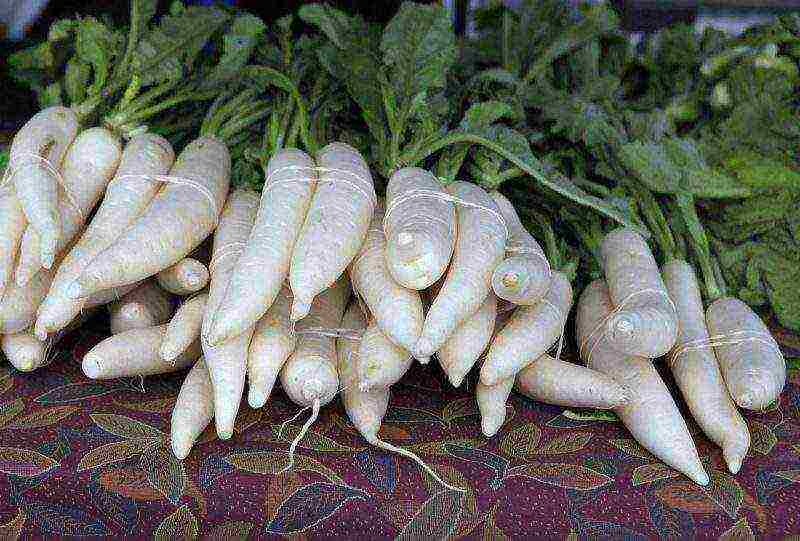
[(732, 338), (562, 317), (347, 334), (368, 195), (417, 193), (20, 160), (587, 356), (178, 181)]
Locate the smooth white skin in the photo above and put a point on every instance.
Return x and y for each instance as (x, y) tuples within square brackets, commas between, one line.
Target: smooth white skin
[(12, 227), (492, 405), (23, 350), (696, 370), (310, 372), (146, 306), (184, 327), (530, 332), (19, 304), (134, 353), (571, 385), (523, 277), (125, 199), (291, 181), (89, 164), (178, 219), (227, 362), (381, 363), (273, 342), (47, 135), (421, 230), (397, 310), (365, 409), (469, 277), (647, 325), (185, 277), (461, 351), (193, 410), (754, 370), (651, 414), (335, 225)]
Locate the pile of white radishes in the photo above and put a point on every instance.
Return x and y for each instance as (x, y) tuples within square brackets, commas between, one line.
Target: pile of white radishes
[(322, 283)]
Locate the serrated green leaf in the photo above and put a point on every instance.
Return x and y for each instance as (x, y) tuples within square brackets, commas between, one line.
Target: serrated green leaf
[(237, 46), (333, 23), (418, 47), (76, 79), (97, 45)]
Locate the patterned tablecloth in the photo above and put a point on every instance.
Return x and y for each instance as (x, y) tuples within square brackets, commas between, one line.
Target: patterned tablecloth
[(83, 458)]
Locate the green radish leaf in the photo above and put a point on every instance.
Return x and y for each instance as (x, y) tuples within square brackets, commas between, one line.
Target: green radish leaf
[(166, 50), (335, 24), (237, 46), (98, 46), (418, 47), (76, 80)]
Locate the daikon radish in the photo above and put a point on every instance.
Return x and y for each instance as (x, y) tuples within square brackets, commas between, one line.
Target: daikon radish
[(285, 198), (193, 410), (89, 164), (12, 227), (479, 249), (364, 408), (273, 341), (752, 365), (644, 323), (146, 306), (227, 362), (523, 277), (185, 277), (696, 371), (19, 304), (23, 350), (184, 327), (571, 385), (460, 352), (492, 404), (396, 309), (420, 228), (530, 332), (145, 156), (381, 363), (36, 154), (650, 414), (135, 353), (309, 376), (335, 225), (179, 218)]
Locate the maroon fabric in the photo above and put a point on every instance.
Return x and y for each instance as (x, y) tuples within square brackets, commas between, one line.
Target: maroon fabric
[(83, 458)]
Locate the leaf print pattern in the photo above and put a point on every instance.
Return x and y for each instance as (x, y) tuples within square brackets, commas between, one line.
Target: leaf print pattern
[(85, 458)]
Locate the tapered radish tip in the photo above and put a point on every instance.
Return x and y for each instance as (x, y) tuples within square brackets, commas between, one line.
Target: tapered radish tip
[(256, 398), (423, 359), (225, 434), (423, 349), (700, 477), (91, 366), (74, 291), (456, 380), (490, 427), (300, 309), (180, 450)]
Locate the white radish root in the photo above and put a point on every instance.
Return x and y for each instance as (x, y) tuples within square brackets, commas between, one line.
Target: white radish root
[(492, 404), (23, 350), (523, 277), (335, 225), (184, 327), (420, 228), (480, 247), (571, 385), (193, 410), (651, 414), (89, 164), (285, 198), (273, 341), (146, 306), (461, 351), (127, 196), (185, 277), (12, 227), (19, 304), (696, 370), (530, 332), (227, 362), (309, 376), (35, 160), (644, 323), (135, 353), (380, 362), (396, 309), (751, 361)]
